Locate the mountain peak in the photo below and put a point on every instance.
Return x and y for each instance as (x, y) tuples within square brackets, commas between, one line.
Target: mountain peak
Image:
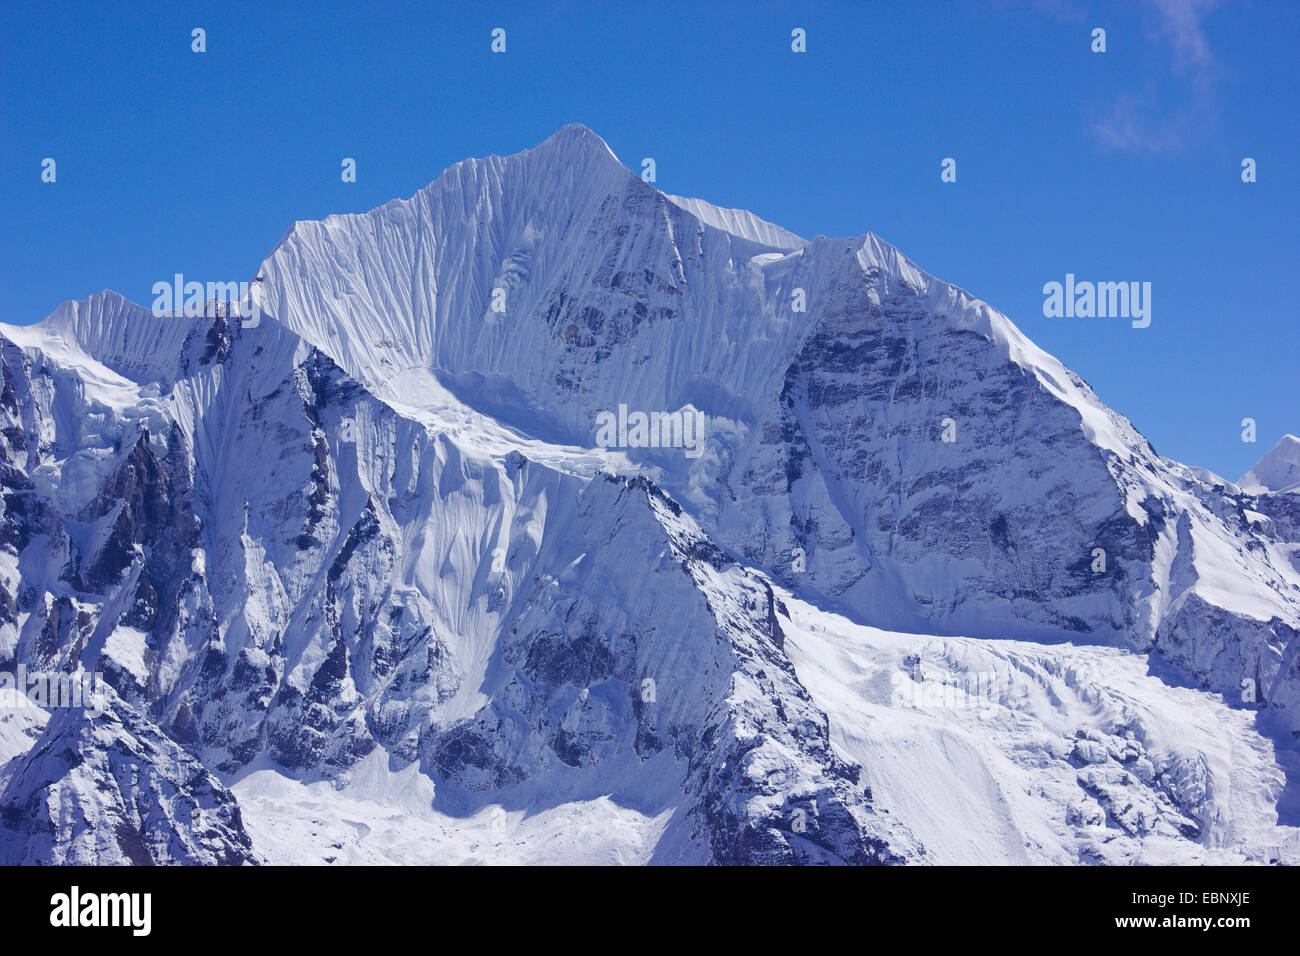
[(573, 156), (574, 136), (1278, 470)]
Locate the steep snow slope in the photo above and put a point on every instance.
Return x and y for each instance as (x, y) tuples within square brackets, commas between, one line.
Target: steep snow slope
[(740, 222), (997, 752)]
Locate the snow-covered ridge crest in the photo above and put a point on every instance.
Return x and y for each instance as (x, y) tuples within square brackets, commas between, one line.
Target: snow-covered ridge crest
[(389, 291), (741, 223), (108, 329), (409, 285)]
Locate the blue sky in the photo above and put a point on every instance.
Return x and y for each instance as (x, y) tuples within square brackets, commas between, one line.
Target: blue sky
[(1123, 165)]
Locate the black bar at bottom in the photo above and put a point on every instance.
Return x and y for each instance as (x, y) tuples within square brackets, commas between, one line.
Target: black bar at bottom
[(266, 906)]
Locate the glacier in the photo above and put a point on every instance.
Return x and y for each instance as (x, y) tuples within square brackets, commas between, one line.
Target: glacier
[(364, 587)]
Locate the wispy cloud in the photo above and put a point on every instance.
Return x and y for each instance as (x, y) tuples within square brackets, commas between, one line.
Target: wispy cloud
[(1135, 122), (1180, 23), (1160, 118)]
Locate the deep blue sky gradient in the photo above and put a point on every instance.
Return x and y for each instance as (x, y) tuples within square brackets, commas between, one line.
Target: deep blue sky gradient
[(1115, 166)]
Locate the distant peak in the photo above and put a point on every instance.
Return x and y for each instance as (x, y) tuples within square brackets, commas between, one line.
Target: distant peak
[(1278, 470)]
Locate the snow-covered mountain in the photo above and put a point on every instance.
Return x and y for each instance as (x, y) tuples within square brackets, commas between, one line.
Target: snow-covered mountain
[(1279, 470), (369, 560)]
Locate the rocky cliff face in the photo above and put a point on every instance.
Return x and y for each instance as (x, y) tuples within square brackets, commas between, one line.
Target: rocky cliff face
[(105, 785), (377, 523)]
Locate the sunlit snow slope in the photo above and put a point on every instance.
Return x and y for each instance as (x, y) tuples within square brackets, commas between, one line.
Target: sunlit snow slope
[(365, 586)]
